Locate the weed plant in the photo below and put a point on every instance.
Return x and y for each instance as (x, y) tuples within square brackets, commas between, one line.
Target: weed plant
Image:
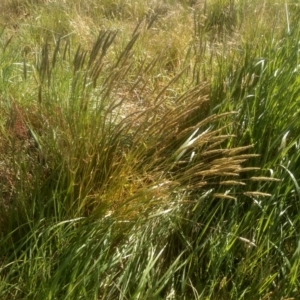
[(149, 150)]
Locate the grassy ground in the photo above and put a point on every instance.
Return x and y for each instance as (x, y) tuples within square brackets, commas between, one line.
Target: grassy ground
[(149, 149)]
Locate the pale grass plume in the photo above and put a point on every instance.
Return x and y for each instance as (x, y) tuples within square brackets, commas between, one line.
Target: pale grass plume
[(257, 194), (232, 182), (248, 242), (262, 178), (223, 196)]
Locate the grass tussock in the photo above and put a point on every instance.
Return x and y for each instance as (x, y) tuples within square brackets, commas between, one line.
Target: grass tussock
[(149, 150)]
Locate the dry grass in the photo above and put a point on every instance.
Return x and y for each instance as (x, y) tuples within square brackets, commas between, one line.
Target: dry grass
[(132, 133)]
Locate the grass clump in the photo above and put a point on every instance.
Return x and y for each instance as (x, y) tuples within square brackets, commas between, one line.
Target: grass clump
[(149, 151)]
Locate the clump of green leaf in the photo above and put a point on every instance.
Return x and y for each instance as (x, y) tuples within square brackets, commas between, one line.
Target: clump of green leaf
[(130, 164)]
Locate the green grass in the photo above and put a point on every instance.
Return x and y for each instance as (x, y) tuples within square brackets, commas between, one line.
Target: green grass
[(149, 150)]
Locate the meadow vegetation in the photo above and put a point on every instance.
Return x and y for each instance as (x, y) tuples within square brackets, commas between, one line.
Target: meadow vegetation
[(149, 149)]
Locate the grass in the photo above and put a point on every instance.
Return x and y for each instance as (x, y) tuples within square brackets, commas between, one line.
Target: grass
[(149, 150)]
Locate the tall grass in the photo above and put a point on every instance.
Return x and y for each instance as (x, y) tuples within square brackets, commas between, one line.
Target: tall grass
[(149, 150)]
